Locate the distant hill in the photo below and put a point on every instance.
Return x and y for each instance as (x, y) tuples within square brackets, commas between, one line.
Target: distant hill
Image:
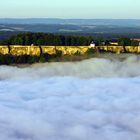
[(68, 28), (100, 28), (114, 22)]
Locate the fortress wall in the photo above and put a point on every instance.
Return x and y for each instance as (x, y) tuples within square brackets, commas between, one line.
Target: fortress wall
[(17, 50)]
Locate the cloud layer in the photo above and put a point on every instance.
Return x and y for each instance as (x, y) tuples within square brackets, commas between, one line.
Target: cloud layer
[(129, 67), (71, 101)]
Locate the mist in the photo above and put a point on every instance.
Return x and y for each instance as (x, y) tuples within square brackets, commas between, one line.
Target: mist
[(91, 68), (95, 99)]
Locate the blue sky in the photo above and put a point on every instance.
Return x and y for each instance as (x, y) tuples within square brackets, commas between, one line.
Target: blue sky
[(70, 8)]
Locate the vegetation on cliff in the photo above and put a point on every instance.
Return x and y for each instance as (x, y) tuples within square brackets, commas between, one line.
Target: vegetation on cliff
[(9, 59), (125, 41)]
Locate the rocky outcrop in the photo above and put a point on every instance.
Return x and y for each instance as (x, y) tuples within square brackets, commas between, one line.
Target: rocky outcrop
[(35, 50), (17, 50)]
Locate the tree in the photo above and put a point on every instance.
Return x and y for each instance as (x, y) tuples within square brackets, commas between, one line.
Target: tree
[(107, 42), (124, 41), (57, 41), (90, 51), (40, 42), (27, 40), (134, 43)]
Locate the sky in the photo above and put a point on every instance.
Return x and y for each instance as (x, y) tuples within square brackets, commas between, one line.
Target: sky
[(123, 9)]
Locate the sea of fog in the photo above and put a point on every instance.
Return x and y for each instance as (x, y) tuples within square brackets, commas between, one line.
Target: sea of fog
[(95, 99)]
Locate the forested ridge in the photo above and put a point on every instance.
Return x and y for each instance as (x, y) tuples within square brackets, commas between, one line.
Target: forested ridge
[(46, 39)]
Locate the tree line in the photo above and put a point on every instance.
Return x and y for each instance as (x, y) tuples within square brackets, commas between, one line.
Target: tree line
[(45, 39), (63, 40), (125, 41)]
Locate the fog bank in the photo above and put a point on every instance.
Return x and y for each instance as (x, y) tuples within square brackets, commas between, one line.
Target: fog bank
[(96, 99), (96, 67), (70, 109)]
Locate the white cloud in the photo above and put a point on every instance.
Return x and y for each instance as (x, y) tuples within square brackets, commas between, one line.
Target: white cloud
[(55, 102), (127, 67)]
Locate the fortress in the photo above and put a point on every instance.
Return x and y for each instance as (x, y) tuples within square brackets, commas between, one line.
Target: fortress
[(17, 50)]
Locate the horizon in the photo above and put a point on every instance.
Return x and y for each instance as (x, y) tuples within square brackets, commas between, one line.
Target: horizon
[(70, 18)]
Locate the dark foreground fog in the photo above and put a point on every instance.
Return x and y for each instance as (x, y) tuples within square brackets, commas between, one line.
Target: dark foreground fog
[(96, 99)]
